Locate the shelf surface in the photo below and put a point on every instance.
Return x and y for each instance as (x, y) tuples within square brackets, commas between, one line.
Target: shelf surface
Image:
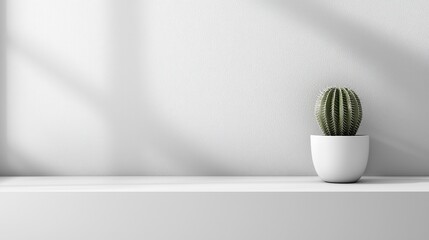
[(209, 184)]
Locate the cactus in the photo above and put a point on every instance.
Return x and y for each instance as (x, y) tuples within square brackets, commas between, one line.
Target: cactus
[(338, 112)]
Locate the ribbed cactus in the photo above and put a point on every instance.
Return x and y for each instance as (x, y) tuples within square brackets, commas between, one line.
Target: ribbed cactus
[(338, 112)]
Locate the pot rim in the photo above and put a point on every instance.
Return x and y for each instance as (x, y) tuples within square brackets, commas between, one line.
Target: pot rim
[(324, 136)]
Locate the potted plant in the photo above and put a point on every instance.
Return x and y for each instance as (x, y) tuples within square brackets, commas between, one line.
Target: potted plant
[(340, 156)]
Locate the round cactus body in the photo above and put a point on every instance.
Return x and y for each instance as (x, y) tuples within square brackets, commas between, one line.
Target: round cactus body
[(338, 112)]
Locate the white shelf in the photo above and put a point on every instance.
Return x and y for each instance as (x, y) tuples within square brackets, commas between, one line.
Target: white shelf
[(209, 184)]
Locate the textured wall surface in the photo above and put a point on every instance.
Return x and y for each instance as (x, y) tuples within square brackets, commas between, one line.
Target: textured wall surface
[(190, 87)]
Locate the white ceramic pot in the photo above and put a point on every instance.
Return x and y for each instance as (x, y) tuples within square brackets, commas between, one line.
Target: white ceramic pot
[(340, 159)]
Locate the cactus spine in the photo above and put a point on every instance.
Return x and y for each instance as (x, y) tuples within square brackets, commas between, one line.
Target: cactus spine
[(338, 112)]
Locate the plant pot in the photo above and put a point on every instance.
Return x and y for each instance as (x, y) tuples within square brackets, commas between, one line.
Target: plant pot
[(340, 159)]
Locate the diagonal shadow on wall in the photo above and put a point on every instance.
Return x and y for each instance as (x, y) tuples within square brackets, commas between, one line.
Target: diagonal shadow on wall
[(135, 127), (132, 126), (397, 128)]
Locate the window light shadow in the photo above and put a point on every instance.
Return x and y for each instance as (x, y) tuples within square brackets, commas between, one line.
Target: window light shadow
[(397, 130)]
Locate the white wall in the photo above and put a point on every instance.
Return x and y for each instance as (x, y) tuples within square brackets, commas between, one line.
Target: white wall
[(219, 87)]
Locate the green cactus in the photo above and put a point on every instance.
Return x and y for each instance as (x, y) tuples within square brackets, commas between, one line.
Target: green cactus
[(338, 112)]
